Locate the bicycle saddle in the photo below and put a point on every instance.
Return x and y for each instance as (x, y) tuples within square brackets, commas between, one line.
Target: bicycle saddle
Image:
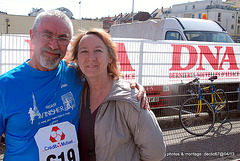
[(212, 78)]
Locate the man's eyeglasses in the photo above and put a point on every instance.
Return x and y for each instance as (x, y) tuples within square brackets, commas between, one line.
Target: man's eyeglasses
[(50, 38)]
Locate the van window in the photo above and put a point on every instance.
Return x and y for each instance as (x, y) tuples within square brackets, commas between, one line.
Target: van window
[(173, 35), (208, 36)]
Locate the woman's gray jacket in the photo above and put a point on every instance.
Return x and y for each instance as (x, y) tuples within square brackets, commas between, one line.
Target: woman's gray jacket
[(124, 131)]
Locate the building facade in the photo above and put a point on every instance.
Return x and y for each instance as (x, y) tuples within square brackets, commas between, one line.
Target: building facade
[(15, 24), (225, 13)]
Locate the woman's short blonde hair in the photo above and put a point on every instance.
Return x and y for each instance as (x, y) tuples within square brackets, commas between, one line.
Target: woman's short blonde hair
[(107, 40)]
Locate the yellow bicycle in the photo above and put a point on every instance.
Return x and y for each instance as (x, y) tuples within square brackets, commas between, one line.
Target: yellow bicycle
[(197, 115)]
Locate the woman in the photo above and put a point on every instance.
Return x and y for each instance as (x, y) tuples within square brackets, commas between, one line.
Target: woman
[(121, 130)]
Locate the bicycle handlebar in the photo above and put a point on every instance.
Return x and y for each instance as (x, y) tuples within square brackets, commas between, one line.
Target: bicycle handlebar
[(193, 81)]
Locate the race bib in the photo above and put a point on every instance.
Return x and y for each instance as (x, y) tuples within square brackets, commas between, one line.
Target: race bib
[(57, 142)]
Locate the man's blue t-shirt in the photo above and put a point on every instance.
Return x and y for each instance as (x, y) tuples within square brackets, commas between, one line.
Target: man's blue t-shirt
[(31, 99)]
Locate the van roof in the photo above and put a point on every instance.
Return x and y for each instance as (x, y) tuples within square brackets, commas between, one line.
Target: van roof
[(199, 24)]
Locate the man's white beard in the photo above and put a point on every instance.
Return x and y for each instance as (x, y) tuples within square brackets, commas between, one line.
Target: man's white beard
[(49, 63)]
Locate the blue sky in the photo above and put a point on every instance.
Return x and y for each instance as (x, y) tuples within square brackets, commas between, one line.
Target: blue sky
[(87, 8)]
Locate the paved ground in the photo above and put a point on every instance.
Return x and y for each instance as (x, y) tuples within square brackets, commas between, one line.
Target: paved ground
[(221, 144)]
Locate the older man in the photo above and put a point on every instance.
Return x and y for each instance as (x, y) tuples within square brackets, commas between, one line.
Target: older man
[(39, 99)]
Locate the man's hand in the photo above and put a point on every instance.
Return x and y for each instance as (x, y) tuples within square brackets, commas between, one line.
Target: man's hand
[(141, 95)]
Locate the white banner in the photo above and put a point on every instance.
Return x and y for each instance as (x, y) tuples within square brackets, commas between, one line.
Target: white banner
[(14, 50), (173, 62), (150, 62)]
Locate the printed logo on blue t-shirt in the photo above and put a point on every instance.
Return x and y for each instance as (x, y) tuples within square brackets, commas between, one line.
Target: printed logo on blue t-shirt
[(34, 112), (51, 110)]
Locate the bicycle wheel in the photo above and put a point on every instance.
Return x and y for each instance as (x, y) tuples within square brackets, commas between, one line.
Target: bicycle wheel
[(194, 121), (221, 106)]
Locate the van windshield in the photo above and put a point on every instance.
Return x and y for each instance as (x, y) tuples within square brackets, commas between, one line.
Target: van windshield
[(208, 36)]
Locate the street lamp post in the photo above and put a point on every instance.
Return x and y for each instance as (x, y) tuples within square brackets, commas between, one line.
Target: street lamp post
[(236, 22), (132, 9), (2, 24), (7, 25), (80, 10)]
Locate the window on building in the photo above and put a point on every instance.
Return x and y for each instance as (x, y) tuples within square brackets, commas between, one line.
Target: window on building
[(232, 27), (193, 7), (193, 15), (233, 16), (219, 17), (238, 19), (186, 8), (200, 15), (238, 30)]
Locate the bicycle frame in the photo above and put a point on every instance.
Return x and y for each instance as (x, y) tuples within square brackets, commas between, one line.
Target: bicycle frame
[(200, 99), (214, 96)]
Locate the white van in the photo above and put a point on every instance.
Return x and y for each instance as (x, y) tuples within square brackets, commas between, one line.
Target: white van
[(187, 29)]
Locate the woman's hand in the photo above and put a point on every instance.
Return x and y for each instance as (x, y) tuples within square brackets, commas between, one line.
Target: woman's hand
[(141, 95)]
